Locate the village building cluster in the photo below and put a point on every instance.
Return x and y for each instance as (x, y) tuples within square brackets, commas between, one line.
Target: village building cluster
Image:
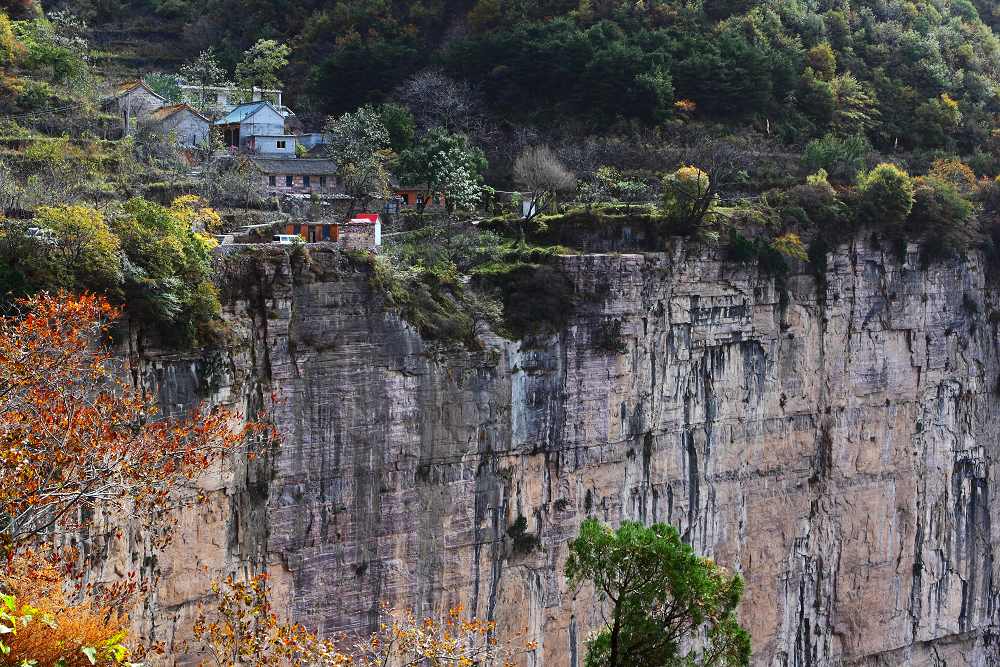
[(290, 162)]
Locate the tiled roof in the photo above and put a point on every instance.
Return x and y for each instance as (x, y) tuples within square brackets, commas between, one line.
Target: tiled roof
[(166, 112), (244, 111), (129, 86), (295, 166)]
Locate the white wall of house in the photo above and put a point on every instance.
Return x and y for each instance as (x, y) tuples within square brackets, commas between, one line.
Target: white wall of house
[(264, 121), (283, 145)]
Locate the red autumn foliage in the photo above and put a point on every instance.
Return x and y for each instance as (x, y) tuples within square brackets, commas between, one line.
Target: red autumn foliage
[(77, 442)]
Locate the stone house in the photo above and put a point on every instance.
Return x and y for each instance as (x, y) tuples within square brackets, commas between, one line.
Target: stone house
[(299, 175), (133, 101), (184, 123), (362, 232), (411, 196)]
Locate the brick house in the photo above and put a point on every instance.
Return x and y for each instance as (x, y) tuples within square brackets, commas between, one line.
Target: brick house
[(314, 232), (411, 196), (299, 175)]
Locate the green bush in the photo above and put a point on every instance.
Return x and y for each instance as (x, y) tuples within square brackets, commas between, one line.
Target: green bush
[(168, 276), (84, 251), (942, 218), (887, 195), (841, 157), (813, 205)]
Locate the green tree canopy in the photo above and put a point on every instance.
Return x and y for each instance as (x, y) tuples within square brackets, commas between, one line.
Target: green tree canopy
[(446, 164), (887, 196), (261, 63), (359, 142), (661, 595), (168, 269), (83, 247)]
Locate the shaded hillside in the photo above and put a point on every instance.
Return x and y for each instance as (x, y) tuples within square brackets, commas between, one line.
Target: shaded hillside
[(889, 69)]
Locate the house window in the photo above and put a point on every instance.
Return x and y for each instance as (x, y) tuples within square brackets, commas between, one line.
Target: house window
[(326, 232), (305, 181), (281, 144), (322, 181), (272, 181), (296, 229), (288, 181), (420, 200)]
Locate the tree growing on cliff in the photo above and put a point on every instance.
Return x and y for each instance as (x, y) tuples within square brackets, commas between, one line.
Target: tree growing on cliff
[(662, 598), (887, 196)]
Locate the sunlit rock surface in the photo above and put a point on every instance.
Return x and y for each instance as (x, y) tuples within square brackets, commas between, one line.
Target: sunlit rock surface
[(834, 441)]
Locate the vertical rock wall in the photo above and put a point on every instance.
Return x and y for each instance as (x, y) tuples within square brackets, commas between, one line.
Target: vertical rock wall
[(834, 443)]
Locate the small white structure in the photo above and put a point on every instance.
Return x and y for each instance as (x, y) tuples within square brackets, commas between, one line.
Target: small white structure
[(528, 208), (363, 231)]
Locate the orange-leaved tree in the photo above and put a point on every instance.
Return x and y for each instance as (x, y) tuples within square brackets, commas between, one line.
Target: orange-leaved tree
[(43, 626), (244, 629), (78, 442), (81, 452)]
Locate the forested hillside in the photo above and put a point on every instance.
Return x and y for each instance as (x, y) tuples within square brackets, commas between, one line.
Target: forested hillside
[(910, 75)]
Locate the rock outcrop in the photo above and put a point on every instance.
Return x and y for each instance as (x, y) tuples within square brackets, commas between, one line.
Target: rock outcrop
[(833, 440)]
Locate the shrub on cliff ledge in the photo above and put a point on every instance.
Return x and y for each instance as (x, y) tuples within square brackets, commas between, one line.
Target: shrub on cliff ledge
[(662, 596), (887, 195), (942, 218), (39, 625)]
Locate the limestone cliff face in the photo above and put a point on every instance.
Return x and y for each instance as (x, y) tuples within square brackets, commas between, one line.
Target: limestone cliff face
[(834, 443)]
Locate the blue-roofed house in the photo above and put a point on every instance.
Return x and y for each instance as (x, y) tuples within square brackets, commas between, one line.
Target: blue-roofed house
[(259, 128)]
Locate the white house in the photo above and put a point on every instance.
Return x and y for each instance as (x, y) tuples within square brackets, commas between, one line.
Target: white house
[(257, 127)]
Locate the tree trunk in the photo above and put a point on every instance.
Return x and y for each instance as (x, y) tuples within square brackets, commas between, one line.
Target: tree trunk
[(615, 632)]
